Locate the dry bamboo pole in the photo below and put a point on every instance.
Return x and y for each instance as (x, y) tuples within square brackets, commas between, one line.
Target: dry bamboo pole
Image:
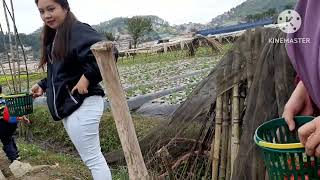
[(251, 59), (10, 47), (23, 128), (215, 146), (165, 48), (235, 139), (119, 107), (24, 56), (209, 162), (188, 48), (16, 44), (164, 154), (182, 45), (228, 171), (5, 52), (224, 137)]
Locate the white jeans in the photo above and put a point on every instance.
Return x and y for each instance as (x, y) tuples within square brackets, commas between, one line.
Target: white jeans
[(82, 127)]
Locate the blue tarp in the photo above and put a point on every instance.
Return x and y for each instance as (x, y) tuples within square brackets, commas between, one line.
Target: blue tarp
[(233, 28)]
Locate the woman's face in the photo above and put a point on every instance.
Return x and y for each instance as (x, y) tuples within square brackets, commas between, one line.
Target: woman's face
[(51, 13)]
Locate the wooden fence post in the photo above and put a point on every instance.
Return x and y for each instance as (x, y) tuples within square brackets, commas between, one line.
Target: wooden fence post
[(119, 107)]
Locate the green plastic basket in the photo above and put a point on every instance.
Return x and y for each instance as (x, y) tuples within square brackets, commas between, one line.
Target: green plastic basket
[(19, 104), (284, 155)]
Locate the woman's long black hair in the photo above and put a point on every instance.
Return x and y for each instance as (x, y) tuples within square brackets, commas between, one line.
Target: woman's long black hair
[(61, 36)]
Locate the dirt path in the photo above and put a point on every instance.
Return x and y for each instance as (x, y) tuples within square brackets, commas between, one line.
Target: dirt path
[(41, 174)]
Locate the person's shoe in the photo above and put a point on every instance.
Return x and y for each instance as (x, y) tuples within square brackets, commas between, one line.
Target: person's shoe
[(17, 158)]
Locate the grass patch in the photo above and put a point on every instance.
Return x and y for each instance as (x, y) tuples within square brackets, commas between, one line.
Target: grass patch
[(121, 173), (44, 128), (70, 167)]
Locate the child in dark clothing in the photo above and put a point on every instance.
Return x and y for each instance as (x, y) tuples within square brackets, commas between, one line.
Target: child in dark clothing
[(8, 126)]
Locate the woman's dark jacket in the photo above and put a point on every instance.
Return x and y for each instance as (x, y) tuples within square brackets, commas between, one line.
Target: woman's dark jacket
[(64, 74)]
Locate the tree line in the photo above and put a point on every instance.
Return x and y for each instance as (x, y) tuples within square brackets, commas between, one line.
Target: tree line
[(270, 13), (137, 27)]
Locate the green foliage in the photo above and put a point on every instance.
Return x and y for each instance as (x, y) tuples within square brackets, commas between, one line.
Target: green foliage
[(114, 25), (289, 6), (111, 37), (267, 14), (258, 6), (23, 77), (138, 26), (44, 128), (121, 173), (35, 77), (251, 8), (32, 40)]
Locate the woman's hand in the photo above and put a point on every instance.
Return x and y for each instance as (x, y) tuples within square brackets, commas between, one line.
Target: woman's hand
[(36, 91), (299, 103), (309, 135), (81, 86)]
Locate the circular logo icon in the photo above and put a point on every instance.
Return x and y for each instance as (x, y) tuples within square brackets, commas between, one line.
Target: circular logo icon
[(289, 21)]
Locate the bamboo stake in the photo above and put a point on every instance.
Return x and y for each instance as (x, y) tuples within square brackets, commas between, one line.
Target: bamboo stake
[(210, 160), (200, 43), (182, 45), (106, 62), (20, 43), (228, 172), (235, 139), (224, 140), (10, 47), (5, 52), (23, 128), (16, 44), (215, 147)]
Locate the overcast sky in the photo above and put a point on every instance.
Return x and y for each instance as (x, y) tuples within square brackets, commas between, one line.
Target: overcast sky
[(96, 11)]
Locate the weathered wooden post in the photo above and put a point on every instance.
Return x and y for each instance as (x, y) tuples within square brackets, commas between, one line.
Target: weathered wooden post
[(215, 147), (224, 136), (119, 107)]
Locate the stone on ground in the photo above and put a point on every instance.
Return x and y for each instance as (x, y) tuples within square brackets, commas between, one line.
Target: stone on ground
[(19, 169), (2, 176)]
